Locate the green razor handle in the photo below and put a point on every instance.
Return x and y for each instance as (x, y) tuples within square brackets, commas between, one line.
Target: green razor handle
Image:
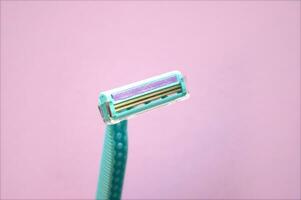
[(113, 162)]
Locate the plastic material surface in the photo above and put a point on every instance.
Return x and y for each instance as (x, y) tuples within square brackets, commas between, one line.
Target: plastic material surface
[(113, 162)]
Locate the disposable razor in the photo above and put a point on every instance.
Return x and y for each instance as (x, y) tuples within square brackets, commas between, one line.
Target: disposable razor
[(119, 104)]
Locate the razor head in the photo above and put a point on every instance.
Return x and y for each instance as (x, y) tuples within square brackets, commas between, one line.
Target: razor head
[(127, 101)]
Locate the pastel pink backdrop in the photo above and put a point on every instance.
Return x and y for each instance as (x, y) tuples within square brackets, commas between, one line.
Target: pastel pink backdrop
[(238, 136)]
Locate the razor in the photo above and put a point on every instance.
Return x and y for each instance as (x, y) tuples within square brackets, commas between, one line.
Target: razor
[(119, 104)]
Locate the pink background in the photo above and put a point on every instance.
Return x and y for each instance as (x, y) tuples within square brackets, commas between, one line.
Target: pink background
[(238, 136)]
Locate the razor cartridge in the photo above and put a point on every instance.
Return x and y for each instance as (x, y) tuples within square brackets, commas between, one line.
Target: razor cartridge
[(127, 101)]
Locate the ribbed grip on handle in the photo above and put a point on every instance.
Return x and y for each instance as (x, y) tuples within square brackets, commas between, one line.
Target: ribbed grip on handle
[(113, 162)]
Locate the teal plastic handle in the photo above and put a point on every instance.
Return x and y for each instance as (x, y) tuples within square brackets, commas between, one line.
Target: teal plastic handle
[(113, 162)]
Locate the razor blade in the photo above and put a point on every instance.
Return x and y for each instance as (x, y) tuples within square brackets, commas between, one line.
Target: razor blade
[(127, 101)]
